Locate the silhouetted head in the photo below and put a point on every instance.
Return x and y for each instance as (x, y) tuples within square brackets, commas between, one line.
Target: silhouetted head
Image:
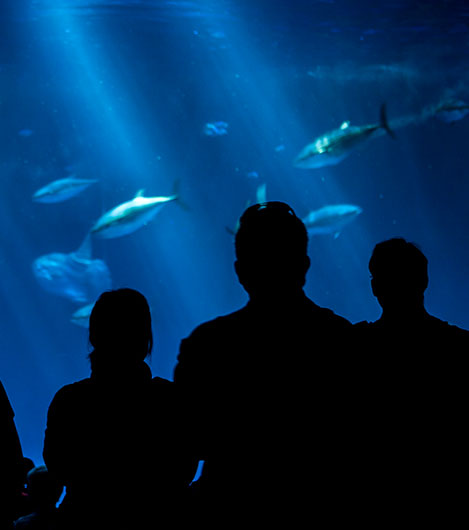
[(399, 274), (43, 489), (120, 327), (271, 250), (28, 464)]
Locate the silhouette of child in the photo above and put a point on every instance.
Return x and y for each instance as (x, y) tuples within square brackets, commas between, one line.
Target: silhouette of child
[(44, 494)]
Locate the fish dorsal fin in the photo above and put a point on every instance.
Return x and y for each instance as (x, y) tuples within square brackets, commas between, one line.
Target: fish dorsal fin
[(345, 125), (83, 252), (139, 193), (261, 194)]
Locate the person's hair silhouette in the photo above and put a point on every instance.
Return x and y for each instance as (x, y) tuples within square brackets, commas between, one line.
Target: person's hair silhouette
[(399, 274), (120, 328), (271, 250)]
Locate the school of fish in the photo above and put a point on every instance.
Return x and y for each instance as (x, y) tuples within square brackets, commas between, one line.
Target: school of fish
[(81, 278)]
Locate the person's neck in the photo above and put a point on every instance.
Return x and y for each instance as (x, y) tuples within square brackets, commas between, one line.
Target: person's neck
[(277, 298), (403, 314), (106, 370)]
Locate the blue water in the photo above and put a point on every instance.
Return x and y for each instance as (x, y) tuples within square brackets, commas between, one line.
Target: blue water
[(122, 92)]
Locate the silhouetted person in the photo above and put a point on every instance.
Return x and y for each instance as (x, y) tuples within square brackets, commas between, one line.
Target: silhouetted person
[(259, 383), (11, 465), (114, 440), (24, 505), (44, 492), (410, 376), (399, 278)]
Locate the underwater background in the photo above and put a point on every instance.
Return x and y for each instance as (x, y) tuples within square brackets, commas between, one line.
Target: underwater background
[(212, 101)]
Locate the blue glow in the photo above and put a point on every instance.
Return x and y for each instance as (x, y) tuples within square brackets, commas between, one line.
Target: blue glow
[(120, 92)]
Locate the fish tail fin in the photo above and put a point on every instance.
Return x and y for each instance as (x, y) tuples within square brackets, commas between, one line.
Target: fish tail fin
[(84, 250), (383, 121), (261, 194), (177, 195)]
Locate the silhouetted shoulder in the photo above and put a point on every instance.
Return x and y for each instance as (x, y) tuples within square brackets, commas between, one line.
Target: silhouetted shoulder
[(363, 324), (11, 475), (194, 352), (70, 393), (70, 389), (329, 316), (84, 392), (252, 315), (5, 408), (454, 330), (161, 382), (300, 328), (63, 416), (362, 328), (430, 324)]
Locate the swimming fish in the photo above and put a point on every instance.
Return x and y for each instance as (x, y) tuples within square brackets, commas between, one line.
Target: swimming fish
[(81, 317), (62, 189), (76, 276), (331, 219), (451, 110), (261, 193), (217, 128), (130, 216), (332, 147)]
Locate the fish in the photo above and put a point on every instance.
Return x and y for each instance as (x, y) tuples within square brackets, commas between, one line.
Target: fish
[(451, 110), (62, 189), (331, 219), (75, 276), (217, 128), (130, 216), (261, 193), (332, 147), (81, 317)]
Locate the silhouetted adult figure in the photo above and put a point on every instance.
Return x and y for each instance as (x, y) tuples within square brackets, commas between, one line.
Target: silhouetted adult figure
[(410, 376), (11, 466), (114, 440), (259, 384)]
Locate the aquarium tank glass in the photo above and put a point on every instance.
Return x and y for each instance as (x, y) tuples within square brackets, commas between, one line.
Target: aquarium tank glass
[(135, 132)]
